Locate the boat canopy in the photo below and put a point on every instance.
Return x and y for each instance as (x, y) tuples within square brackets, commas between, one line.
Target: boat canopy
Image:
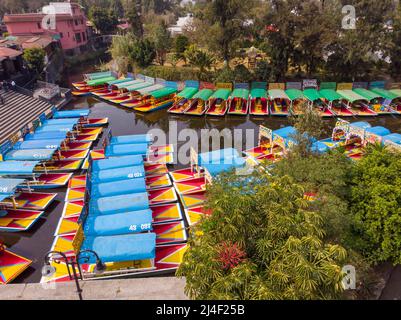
[(393, 137), (116, 150), (350, 95), (284, 132), (117, 162), (396, 92), (294, 94), (219, 156), (360, 124), (65, 121), (110, 225), (119, 204), (127, 84), (118, 174), (221, 94), (45, 135), (16, 168), (71, 113), (131, 139), (116, 188), (30, 154), (56, 128), (204, 94), (385, 93), (146, 90), (378, 131), (278, 94), (163, 92), (137, 86), (118, 81), (258, 93), (187, 93), (38, 144), (240, 93), (96, 75), (367, 94), (8, 186), (330, 95), (311, 94), (119, 248), (100, 81)]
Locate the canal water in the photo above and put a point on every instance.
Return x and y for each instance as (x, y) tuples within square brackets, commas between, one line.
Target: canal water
[(35, 243)]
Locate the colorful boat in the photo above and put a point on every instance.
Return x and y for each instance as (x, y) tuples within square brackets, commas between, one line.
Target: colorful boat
[(156, 100), (136, 96), (259, 102), (128, 93), (117, 89), (279, 102), (217, 103), (317, 103), (376, 102), (182, 100), (358, 104), (298, 101), (11, 265), (238, 102), (111, 86), (334, 102), (198, 104)]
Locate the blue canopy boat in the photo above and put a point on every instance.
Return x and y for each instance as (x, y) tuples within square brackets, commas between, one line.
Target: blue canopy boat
[(55, 128), (45, 135), (120, 223), (119, 204), (116, 150), (30, 154), (116, 188), (130, 247), (116, 162), (131, 139), (117, 174), (8, 187), (64, 121), (71, 114), (17, 168), (38, 144), (393, 137)]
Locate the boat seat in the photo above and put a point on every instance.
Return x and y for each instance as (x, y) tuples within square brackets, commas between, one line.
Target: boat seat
[(119, 204), (117, 162), (116, 150), (129, 247), (120, 223), (117, 174), (116, 188)]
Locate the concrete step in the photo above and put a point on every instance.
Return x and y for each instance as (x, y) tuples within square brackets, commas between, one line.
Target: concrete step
[(157, 288)]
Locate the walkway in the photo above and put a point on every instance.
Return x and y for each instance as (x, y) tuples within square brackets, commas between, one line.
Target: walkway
[(166, 288)]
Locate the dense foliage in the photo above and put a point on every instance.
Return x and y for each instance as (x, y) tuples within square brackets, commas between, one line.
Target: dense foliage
[(376, 204), (35, 59), (261, 242)]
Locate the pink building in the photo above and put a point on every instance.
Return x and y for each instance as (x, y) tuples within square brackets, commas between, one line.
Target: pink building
[(64, 21)]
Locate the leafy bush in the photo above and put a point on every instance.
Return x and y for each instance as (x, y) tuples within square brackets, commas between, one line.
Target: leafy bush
[(173, 73)]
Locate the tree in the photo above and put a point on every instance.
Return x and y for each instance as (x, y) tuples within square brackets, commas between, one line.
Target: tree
[(261, 242), (200, 59), (395, 49), (143, 53), (121, 49), (35, 59), (117, 8), (134, 17), (161, 38), (103, 20), (376, 204), (181, 44)]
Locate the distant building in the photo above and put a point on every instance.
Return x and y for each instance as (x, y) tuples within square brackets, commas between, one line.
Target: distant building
[(48, 43), (182, 22), (63, 21)]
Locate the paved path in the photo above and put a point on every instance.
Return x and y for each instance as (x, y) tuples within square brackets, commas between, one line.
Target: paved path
[(166, 288)]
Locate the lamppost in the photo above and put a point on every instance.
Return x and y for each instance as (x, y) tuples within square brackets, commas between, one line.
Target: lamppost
[(48, 270)]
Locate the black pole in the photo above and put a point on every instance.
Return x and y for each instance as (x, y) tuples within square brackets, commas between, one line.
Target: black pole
[(79, 290)]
